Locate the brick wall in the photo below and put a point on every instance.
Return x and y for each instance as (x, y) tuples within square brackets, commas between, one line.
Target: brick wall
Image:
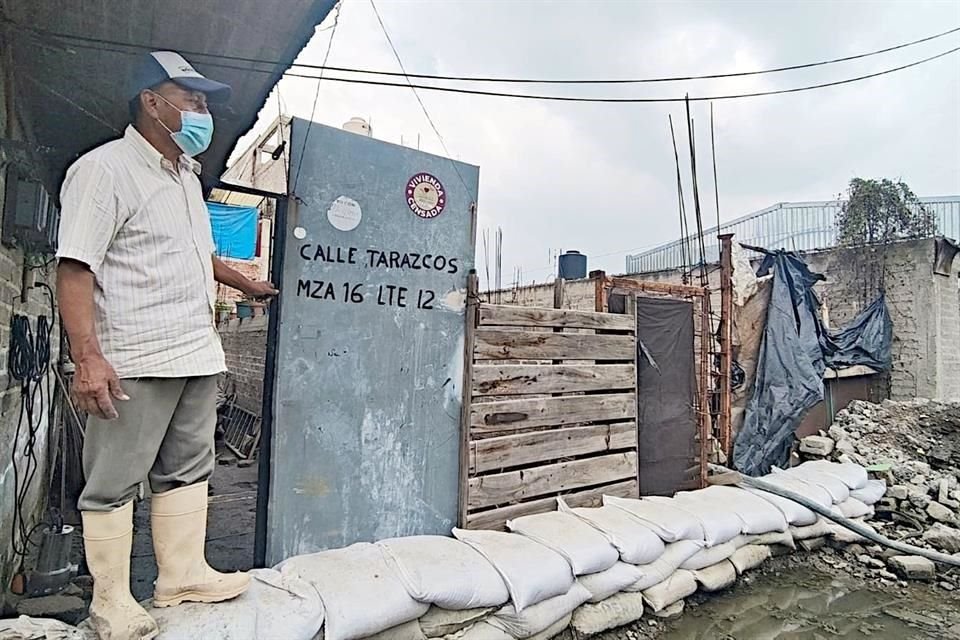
[(245, 344)]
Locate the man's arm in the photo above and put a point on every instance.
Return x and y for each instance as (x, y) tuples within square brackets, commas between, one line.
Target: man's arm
[(95, 384), (233, 278)]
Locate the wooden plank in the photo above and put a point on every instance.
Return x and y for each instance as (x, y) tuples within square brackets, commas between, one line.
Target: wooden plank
[(499, 344), (516, 486), (470, 317), (681, 290), (513, 415), (522, 379), (542, 446), (497, 518), (512, 316)]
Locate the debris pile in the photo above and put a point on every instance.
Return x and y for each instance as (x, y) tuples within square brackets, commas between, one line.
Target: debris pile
[(915, 447)]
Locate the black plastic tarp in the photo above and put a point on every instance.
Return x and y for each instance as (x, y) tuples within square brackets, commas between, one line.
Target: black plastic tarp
[(795, 351)]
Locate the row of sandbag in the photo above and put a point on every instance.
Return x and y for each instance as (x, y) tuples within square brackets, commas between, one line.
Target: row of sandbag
[(593, 568)]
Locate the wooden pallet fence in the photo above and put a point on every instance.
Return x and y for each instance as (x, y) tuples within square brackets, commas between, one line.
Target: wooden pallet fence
[(552, 411)]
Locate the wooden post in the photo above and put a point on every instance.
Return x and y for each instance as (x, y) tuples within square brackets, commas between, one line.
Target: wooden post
[(558, 293), (599, 291), (470, 318), (726, 341)]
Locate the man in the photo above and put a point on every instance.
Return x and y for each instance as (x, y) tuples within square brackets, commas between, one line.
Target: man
[(136, 291)]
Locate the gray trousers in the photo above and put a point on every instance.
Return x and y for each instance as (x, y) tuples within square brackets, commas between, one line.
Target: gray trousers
[(164, 433)]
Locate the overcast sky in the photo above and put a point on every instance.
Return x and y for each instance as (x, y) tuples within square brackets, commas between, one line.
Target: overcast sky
[(600, 178)]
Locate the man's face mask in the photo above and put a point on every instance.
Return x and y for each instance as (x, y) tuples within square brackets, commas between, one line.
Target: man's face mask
[(196, 130)]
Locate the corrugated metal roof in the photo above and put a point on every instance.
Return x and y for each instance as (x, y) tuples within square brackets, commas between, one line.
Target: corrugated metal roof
[(797, 226)]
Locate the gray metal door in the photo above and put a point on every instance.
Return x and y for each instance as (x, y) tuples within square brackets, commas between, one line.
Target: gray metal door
[(366, 398)]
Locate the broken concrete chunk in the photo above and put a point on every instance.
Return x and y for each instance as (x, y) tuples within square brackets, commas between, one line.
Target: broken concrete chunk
[(913, 567), (874, 563), (897, 492), (941, 513), (943, 537), (847, 447), (918, 496), (817, 446)]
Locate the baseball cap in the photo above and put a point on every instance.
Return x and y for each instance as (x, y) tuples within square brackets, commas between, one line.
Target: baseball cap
[(160, 66)]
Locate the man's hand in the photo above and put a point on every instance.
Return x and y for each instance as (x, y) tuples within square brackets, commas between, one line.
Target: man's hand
[(96, 386), (260, 290)]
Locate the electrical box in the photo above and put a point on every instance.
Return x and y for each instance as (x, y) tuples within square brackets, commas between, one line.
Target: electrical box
[(31, 217)]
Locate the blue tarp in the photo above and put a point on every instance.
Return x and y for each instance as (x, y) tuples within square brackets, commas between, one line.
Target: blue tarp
[(234, 230), (795, 351)]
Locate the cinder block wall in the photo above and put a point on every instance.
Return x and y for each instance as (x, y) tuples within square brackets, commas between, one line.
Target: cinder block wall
[(245, 344)]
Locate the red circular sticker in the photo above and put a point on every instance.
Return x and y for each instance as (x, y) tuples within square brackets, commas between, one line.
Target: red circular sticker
[(426, 196)]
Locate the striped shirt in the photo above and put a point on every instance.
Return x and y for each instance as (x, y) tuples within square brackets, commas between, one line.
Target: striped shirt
[(141, 225)]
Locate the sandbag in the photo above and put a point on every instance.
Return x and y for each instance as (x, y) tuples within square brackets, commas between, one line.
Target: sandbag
[(438, 622), (718, 523), (677, 587), (586, 549), (406, 631), (716, 577), (817, 530), (541, 616), (480, 631), (810, 491), (871, 493), (667, 521), (851, 473), (756, 514), (360, 592), (833, 485), (674, 555), (784, 538), (748, 557), (531, 571), (710, 556), (27, 628), (445, 572), (793, 512), (606, 583), (845, 536), (853, 508), (637, 544), (275, 607), (616, 611)]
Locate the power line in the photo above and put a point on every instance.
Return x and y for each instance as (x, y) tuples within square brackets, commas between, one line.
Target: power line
[(525, 96), (505, 80)]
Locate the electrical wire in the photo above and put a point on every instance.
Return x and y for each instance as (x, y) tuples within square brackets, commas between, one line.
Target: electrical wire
[(503, 80)]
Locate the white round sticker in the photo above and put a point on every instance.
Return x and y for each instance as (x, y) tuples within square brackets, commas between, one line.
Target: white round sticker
[(344, 214), (299, 233)]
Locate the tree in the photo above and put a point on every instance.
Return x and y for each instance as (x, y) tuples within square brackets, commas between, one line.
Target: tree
[(881, 211)]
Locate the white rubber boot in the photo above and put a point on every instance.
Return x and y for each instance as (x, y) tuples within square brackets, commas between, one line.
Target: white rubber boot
[(179, 522), (108, 539)]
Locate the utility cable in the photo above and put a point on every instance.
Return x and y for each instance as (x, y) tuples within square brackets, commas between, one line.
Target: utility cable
[(504, 80)]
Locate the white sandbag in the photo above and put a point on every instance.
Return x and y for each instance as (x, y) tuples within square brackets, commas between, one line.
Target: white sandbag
[(445, 572), (637, 544), (817, 530), (808, 490), (616, 611), (275, 607), (750, 556), (438, 622), (852, 474), (872, 493), (677, 587), (668, 522), (554, 630), (716, 577), (853, 508), (794, 512), (757, 515), (586, 549), (673, 556), (361, 594), (718, 523), (710, 556), (606, 583), (531, 571), (845, 536), (27, 628), (541, 616), (406, 631), (833, 485), (479, 631), (784, 538)]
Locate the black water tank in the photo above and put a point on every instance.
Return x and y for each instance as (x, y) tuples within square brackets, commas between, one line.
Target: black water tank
[(573, 265)]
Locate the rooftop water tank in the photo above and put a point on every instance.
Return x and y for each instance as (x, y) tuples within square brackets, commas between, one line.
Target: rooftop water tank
[(358, 126), (572, 265)]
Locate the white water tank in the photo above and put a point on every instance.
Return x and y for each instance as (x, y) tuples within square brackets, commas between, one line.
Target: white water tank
[(358, 125)]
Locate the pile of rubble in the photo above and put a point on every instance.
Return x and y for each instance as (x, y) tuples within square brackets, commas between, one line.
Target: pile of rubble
[(915, 447)]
